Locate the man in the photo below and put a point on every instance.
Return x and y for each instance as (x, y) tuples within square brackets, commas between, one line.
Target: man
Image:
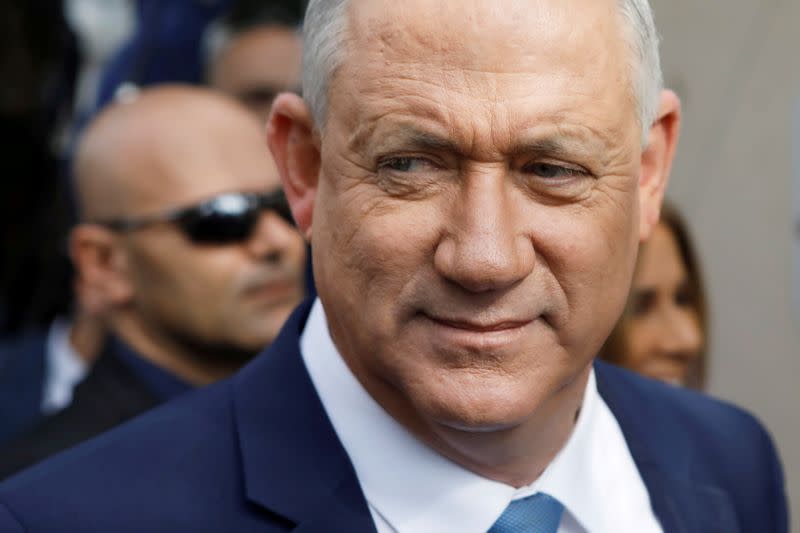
[(474, 177), (181, 248), (253, 52), (40, 368)]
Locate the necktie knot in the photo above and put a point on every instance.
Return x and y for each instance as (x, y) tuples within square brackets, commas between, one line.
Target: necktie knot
[(539, 513)]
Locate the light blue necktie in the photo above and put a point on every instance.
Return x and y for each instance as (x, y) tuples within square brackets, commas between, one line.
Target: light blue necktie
[(539, 513)]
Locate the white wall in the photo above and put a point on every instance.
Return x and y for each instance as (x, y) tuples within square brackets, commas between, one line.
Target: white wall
[(736, 64)]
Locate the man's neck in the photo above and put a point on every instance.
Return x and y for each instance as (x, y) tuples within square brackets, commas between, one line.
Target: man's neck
[(86, 336), (181, 361), (516, 456)]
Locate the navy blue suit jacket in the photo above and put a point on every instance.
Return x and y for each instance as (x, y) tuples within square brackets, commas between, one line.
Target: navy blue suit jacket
[(257, 453), (22, 368)]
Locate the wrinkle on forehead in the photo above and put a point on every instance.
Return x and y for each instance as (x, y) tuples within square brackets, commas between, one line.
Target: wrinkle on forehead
[(477, 63), (476, 35)]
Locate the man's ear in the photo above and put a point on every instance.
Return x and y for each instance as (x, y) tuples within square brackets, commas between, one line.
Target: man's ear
[(100, 266), (296, 149), (657, 162)]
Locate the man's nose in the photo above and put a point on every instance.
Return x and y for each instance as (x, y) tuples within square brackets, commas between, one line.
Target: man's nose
[(485, 246), (271, 237)]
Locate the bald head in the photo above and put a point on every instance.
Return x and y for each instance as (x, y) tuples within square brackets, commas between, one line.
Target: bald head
[(171, 146)]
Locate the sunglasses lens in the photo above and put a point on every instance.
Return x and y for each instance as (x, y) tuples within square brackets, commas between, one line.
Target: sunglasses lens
[(226, 219)]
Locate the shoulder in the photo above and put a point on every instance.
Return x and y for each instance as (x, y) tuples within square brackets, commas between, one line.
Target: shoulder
[(171, 461), (664, 408), (18, 349), (715, 443), (22, 368)]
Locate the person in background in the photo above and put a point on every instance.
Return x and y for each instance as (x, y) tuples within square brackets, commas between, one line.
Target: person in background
[(163, 48), (253, 52), (45, 344), (40, 368), (663, 331), (186, 244)]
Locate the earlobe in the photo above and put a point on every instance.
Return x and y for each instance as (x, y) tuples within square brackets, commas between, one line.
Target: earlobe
[(657, 162), (295, 147)]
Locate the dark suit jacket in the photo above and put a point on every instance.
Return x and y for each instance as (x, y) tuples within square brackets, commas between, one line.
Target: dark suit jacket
[(22, 367), (257, 453), (108, 396)]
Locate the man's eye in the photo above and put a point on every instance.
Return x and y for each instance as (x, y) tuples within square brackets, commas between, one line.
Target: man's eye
[(402, 164), (552, 171)]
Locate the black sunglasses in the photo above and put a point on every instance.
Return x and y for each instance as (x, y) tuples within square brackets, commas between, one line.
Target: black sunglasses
[(224, 219)]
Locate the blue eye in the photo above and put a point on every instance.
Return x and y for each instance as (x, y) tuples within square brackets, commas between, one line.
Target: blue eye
[(400, 164)]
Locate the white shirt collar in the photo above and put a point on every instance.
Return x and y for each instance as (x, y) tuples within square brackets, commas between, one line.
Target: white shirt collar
[(64, 368), (412, 488)]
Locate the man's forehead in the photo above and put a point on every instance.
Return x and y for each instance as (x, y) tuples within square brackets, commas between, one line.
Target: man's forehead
[(487, 51), (479, 33), (496, 74)]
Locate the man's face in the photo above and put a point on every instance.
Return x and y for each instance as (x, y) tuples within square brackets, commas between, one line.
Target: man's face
[(231, 297), (476, 219), (257, 65)]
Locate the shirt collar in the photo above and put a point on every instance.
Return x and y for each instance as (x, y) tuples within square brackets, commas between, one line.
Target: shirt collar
[(413, 487), (567, 478), (163, 384), (65, 368)]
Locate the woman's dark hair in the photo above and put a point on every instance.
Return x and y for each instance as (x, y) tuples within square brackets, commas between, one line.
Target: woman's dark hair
[(616, 349)]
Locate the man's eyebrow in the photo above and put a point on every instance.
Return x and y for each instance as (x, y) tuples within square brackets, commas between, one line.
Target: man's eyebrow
[(546, 146), (425, 140), (409, 136)]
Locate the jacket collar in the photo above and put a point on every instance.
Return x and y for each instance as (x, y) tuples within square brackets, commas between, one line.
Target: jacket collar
[(294, 465), (663, 453)]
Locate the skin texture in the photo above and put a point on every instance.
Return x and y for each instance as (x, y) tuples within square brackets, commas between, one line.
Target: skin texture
[(257, 65), (663, 330), (475, 204), (197, 310)]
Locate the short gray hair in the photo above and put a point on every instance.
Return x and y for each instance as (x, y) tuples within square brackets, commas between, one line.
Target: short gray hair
[(325, 29)]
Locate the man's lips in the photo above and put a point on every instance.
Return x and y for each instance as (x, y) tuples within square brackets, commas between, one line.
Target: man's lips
[(473, 335), (480, 327)]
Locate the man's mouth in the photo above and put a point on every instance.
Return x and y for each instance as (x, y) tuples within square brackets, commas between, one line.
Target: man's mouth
[(480, 327)]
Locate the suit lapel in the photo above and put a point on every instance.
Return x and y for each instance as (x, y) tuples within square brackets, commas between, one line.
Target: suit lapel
[(293, 463), (663, 455)]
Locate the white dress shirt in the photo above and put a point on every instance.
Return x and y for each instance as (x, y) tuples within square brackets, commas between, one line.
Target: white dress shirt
[(411, 488), (63, 368)]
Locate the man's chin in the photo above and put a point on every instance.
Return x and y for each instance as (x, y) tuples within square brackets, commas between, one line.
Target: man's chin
[(478, 414), (478, 427)]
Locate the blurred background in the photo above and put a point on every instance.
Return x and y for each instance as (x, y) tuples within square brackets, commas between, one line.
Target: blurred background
[(736, 66), (736, 179)]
